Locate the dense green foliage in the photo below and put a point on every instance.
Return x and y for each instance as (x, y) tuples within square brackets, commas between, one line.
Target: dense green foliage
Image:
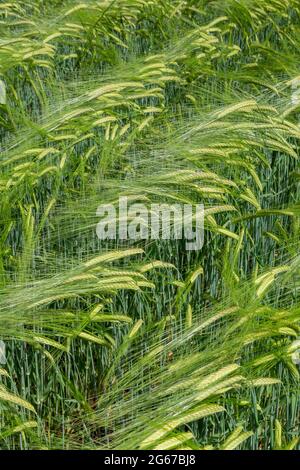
[(144, 345)]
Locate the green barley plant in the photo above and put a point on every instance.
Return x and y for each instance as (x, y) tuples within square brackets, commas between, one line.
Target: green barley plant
[(142, 344)]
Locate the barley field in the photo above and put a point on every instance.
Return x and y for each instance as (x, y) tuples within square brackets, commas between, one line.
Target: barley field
[(140, 343)]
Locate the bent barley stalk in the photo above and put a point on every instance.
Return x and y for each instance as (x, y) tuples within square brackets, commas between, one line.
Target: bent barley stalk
[(141, 344)]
